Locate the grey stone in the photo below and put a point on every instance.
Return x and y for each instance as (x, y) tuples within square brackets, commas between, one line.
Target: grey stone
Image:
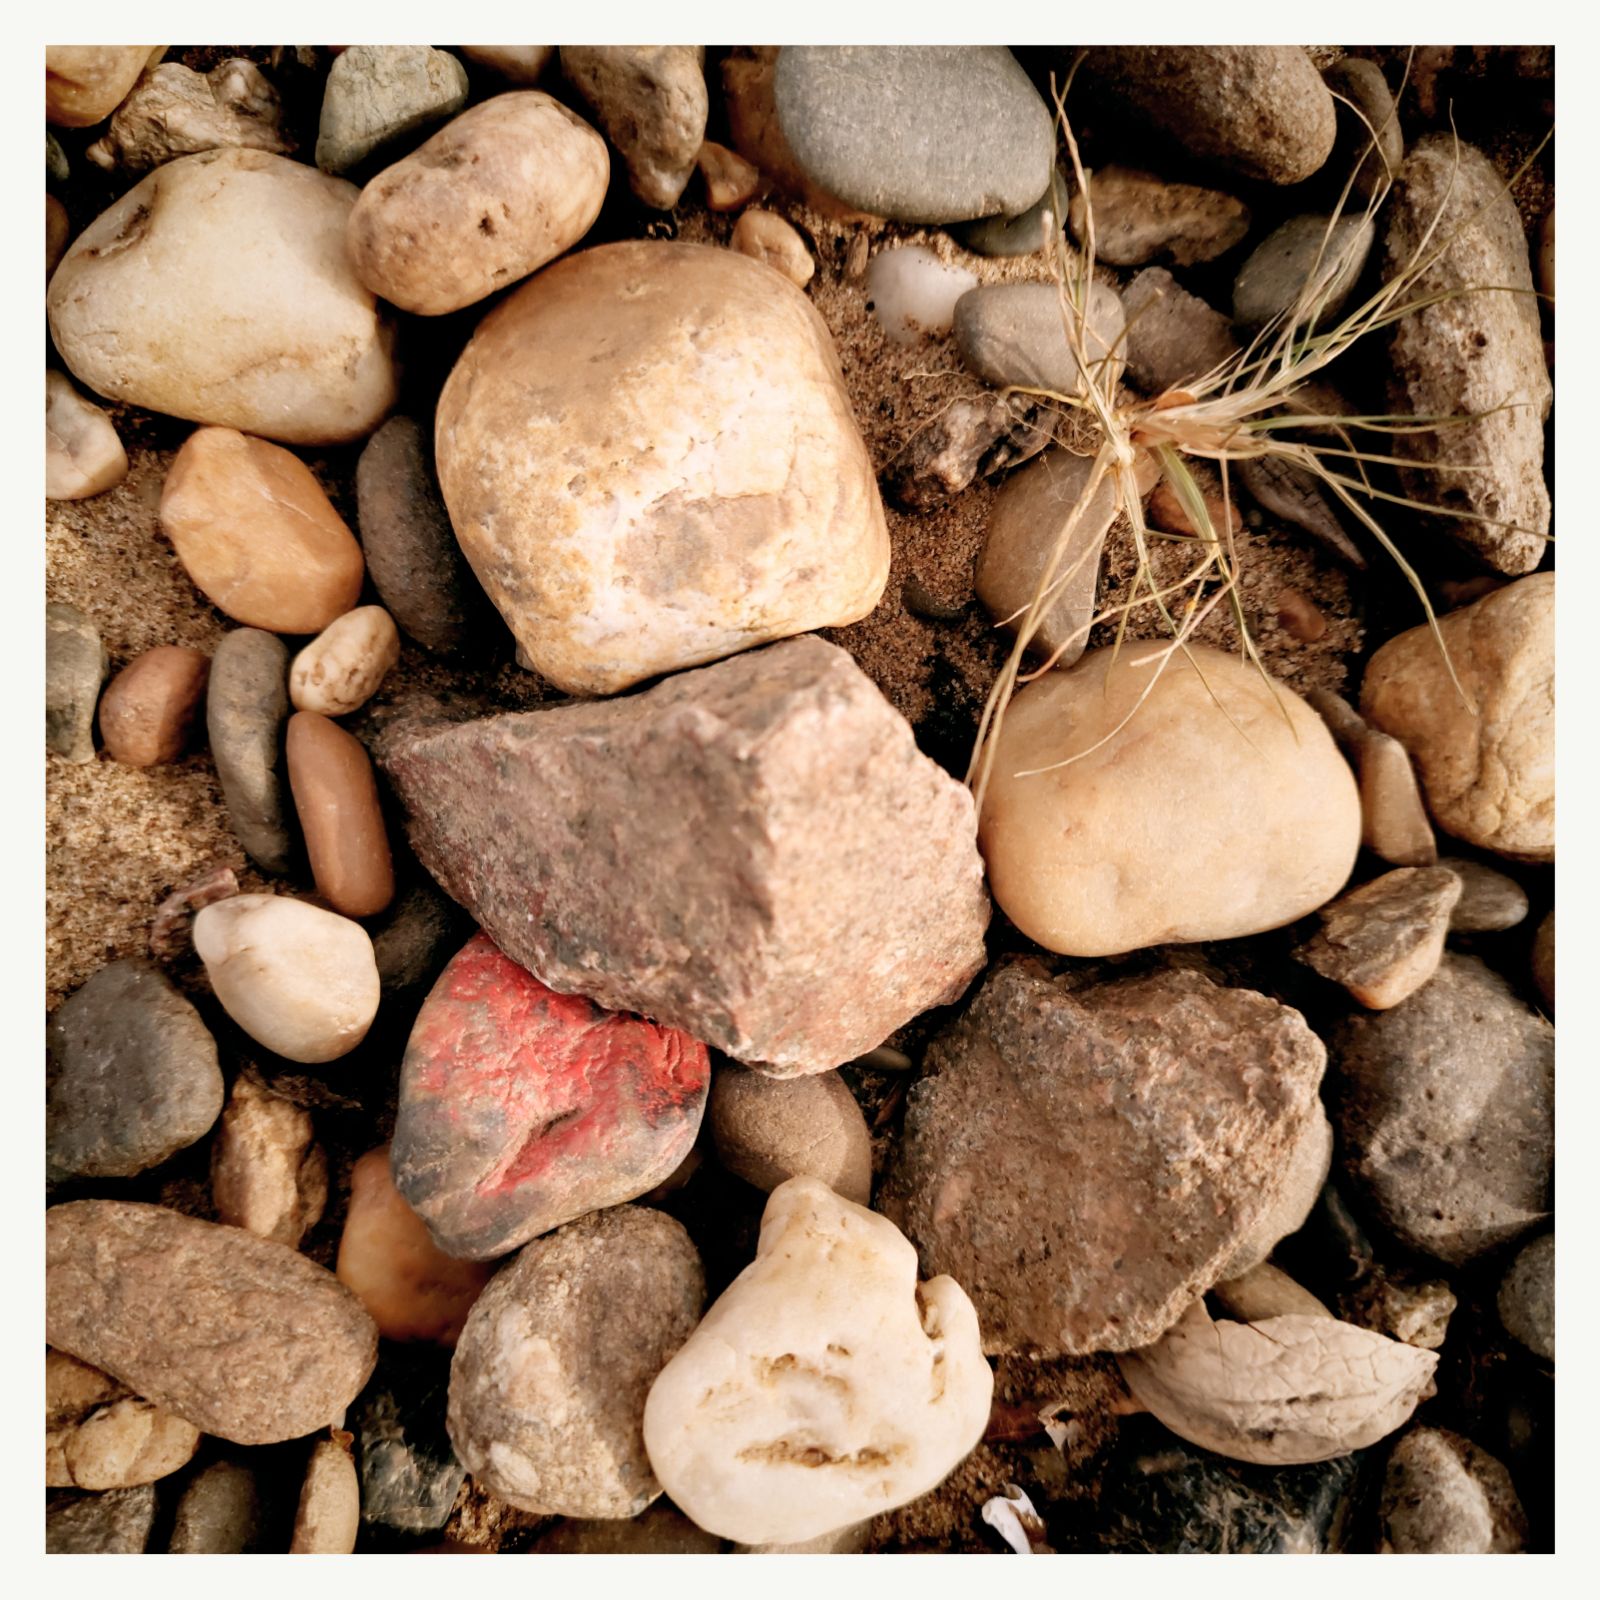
[(1527, 1298), (1490, 901), (1140, 218), (967, 440), (1015, 333), (75, 665), (1001, 236), (378, 94), (1363, 83), (1442, 1495), (1294, 494), (116, 1523), (219, 1514), (1174, 337), (1304, 251), (131, 1076), (409, 1472), (917, 133), (416, 936), (247, 705)]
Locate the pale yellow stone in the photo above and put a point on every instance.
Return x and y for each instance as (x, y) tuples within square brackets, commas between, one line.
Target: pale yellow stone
[(730, 180), (84, 83), (764, 236), (82, 454), (267, 1176), (328, 1518), (341, 669), (128, 1442)]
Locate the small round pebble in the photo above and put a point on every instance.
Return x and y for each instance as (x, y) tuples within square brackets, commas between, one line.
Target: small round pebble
[(730, 180), (1490, 901), (126, 1443), (1527, 1298), (768, 1130), (328, 1517), (336, 799), (341, 669), (1015, 333), (149, 711), (1326, 254), (766, 237)]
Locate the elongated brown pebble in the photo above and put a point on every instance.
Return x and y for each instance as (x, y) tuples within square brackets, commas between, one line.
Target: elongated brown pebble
[(336, 797), (148, 713)]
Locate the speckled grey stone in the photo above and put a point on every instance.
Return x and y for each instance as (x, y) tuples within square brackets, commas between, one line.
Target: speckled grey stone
[(1302, 250), (75, 665), (1015, 333), (377, 94), (219, 1514), (1001, 236), (1527, 1298), (116, 1523), (247, 704)]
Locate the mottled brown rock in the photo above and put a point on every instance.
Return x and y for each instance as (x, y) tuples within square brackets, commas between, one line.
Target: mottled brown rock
[(268, 1176), (85, 82), (755, 852), (1139, 218), (1086, 1163), (1401, 1304), (1299, 1189), (768, 1130), (766, 237), (247, 701), (1527, 1297), (336, 799), (971, 438), (75, 664), (1443, 1495), (1394, 821), (730, 180), (115, 1523), (220, 1513), (149, 710), (1167, 510), (516, 63), (245, 1339)]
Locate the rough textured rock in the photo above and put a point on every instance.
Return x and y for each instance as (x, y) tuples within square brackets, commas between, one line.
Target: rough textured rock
[(267, 1175), (1174, 337), (1445, 1111), (1315, 257), (1305, 1172), (1442, 1495), (969, 439), (245, 1339), (377, 95), (336, 800), (219, 1513), (131, 1076), (1402, 1305), (218, 289), (549, 1380), (1014, 333), (125, 1443), (502, 189), (117, 1523), (733, 913), (247, 704), (767, 1131), (82, 454), (84, 83), (409, 1471), (328, 1518), (1470, 353), (342, 668), (1487, 761), (173, 111), (1370, 142), (1139, 218), (521, 1108), (149, 710), (1527, 1298), (825, 1385), (764, 236), (919, 133), (1247, 789), (75, 663), (1490, 901), (683, 477), (1087, 1164), (1298, 497)]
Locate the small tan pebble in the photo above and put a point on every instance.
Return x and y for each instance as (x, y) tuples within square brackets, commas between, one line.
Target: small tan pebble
[(768, 1130), (82, 454), (855, 260), (1265, 1291), (149, 711), (336, 800), (329, 1515), (1298, 617), (1443, 1495), (1394, 821), (170, 927), (1401, 1306), (298, 979), (730, 179), (257, 534), (85, 83), (342, 668), (1490, 901), (1543, 960), (516, 63), (56, 228), (125, 1443), (267, 1175), (388, 1260), (766, 237), (1167, 511)]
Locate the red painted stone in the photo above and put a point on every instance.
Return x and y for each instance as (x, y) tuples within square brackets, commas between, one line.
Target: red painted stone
[(521, 1108)]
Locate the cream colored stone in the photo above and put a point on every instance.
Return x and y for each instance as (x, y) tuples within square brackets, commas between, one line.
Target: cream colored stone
[(82, 454), (218, 289), (341, 669), (765, 236), (495, 194), (267, 1176), (1264, 1292), (126, 1443), (1486, 753), (328, 1518), (824, 1386), (730, 180), (516, 63), (84, 83), (298, 979), (650, 462), (1184, 817)]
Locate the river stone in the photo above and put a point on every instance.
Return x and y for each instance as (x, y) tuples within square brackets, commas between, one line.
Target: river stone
[(1442, 1495), (1527, 1297), (409, 1471), (916, 133), (1173, 337), (1487, 765), (1326, 253), (377, 94), (131, 1076), (731, 182), (549, 1381), (125, 1443), (149, 710), (85, 83), (764, 236), (83, 456), (245, 1339), (1139, 218), (1070, 872), (327, 1520), (75, 664), (1394, 821), (1014, 333), (247, 704), (1297, 496), (516, 63), (345, 665), (267, 1175), (733, 913), (1085, 1163), (1445, 1112), (521, 1108), (1025, 235), (218, 289), (1490, 901), (219, 1514), (1470, 354), (336, 800), (1375, 146), (116, 1523), (768, 1130), (650, 461), (1260, 110)]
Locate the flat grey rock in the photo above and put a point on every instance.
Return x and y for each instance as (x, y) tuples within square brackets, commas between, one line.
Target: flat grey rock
[(1015, 333)]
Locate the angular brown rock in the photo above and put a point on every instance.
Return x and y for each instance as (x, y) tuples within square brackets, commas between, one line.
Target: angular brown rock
[(267, 1176)]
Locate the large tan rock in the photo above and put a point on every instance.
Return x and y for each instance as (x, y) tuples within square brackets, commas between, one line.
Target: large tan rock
[(86, 82), (1184, 817), (218, 289), (1486, 752), (649, 459)]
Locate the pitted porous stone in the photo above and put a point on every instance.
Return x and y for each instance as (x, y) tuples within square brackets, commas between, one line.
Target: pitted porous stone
[(756, 853)]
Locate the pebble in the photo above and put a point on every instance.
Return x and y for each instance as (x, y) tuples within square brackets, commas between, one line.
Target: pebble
[(1470, 354), (1167, 511), (173, 111), (516, 63), (243, 1338), (1283, 845), (85, 83), (1442, 1495), (1384, 940), (1260, 110), (377, 95), (131, 1076), (247, 703), (1088, 1162), (825, 1353), (268, 1175), (1444, 1108), (766, 237), (1298, 497), (549, 1381), (342, 668), (257, 534), (1034, 230), (1140, 218), (916, 133), (409, 1472), (768, 1130), (1490, 901), (566, 804), (151, 709), (328, 1518), (963, 441), (416, 936), (388, 1260), (82, 454), (75, 664), (57, 231), (663, 1530), (1265, 1292), (1315, 257), (521, 1108), (913, 293), (1527, 1297), (1294, 1199), (126, 1443), (651, 101), (1394, 821), (298, 979), (732, 374), (117, 1523), (730, 180), (1014, 333), (1298, 617), (1400, 1305), (56, 167), (219, 1513), (336, 800), (498, 192), (1372, 143), (1487, 764), (1542, 960), (218, 289), (1173, 337)]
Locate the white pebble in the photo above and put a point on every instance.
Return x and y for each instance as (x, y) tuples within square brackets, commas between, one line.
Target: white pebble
[(82, 453), (342, 667), (913, 293)]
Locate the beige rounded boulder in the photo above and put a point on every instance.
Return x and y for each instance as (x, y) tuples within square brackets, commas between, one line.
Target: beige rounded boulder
[(85, 83), (1216, 808), (649, 459), (493, 196), (218, 289)]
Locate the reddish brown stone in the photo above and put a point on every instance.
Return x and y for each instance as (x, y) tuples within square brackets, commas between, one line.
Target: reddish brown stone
[(336, 797), (149, 710)]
